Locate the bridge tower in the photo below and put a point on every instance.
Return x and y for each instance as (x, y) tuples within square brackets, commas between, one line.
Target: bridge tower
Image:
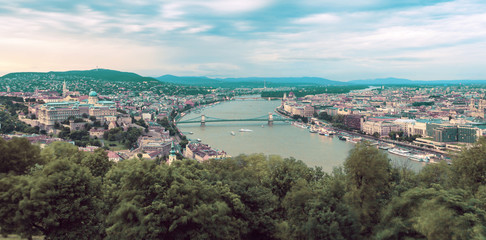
[(203, 120), (270, 118)]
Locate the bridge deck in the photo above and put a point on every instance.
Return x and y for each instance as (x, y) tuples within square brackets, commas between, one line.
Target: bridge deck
[(235, 120)]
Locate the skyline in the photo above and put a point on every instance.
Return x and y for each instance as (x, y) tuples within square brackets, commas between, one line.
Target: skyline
[(418, 40)]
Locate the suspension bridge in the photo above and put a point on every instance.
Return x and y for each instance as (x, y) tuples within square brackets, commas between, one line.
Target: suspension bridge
[(203, 119)]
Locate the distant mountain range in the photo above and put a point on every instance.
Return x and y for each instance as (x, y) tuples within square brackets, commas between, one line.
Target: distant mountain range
[(303, 81), (253, 82), (402, 81), (249, 81)]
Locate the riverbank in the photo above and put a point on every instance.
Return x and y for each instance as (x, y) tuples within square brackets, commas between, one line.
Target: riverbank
[(281, 138)]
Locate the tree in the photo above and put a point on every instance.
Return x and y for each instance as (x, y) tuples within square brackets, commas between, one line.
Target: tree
[(435, 174), (285, 173), (63, 202), (12, 191), (161, 202), (316, 211), (247, 176), (97, 162), (435, 214), (62, 150), (368, 183), (469, 168), (18, 156)]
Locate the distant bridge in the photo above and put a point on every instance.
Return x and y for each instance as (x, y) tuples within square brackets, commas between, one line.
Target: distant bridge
[(203, 119), (254, 98)]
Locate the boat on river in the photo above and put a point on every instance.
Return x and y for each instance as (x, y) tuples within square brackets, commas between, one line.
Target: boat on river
[(325, 133), (399, 152), (419, 157), (300, 125), (245, 130), (232, 133)]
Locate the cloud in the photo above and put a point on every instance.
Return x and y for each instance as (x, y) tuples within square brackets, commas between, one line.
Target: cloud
[(324, 18), (340, 40)]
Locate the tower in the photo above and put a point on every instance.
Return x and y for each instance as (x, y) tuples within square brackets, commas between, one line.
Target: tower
[(172, 154), (64, 89), (93, 97)]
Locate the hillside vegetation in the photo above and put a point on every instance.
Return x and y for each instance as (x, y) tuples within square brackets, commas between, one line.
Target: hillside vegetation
[(103, 81), (61, 193)]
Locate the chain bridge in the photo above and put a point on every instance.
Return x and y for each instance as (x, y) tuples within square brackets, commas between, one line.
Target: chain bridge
[(203, 119)]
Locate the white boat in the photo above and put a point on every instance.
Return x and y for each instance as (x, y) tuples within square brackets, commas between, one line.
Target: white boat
[(301, 125), (245, 130), (190, 133), (399, 152), (199, 140), (419, 158), (233, 133)]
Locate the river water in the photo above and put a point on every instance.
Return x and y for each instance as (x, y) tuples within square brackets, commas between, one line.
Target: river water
[(281, 139)]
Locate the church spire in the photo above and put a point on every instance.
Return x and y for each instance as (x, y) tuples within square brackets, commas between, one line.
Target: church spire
[(64, 89), (172, 154)]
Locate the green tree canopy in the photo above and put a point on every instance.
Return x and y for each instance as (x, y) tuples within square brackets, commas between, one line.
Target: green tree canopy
[(429, 213), (469, 168), (368, 183), (18, 156)]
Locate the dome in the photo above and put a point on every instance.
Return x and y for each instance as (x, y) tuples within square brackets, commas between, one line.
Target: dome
[(93, 94)]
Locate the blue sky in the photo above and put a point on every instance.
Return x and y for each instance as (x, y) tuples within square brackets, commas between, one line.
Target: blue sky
[(339, 40)]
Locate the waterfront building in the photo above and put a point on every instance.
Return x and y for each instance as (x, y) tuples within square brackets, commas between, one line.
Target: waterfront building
[(203, 152), (381, 127), (463, 134)]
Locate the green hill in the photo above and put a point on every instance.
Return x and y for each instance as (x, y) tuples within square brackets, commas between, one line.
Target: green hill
[(103, 81), (94, 74)]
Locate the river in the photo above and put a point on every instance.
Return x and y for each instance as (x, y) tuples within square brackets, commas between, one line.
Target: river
[(281, 139)]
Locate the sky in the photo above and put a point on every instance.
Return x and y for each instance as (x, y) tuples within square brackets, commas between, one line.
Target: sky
[(334, 39)]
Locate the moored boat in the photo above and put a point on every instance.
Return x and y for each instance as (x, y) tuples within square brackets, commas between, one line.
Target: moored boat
[(399, 152), (342, 138), (419, 158)]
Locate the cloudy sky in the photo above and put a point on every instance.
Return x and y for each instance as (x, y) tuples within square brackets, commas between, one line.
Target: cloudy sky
[(334, 39)]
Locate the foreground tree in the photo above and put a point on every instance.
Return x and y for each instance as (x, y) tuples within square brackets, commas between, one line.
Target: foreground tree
[(18, 156), (160, 202), (368, 184), (469, 168), (433, 214), (62, 150), (97, 162), (63, 202), (317, 211)]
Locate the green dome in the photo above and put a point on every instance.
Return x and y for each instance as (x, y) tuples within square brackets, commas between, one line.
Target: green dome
[(93, 94)]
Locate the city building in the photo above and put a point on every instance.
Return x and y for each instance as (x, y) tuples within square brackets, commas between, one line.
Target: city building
[(52, 112), (203, 152)]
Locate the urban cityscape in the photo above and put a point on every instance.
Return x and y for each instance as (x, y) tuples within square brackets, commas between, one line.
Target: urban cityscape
[(242, 119)]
